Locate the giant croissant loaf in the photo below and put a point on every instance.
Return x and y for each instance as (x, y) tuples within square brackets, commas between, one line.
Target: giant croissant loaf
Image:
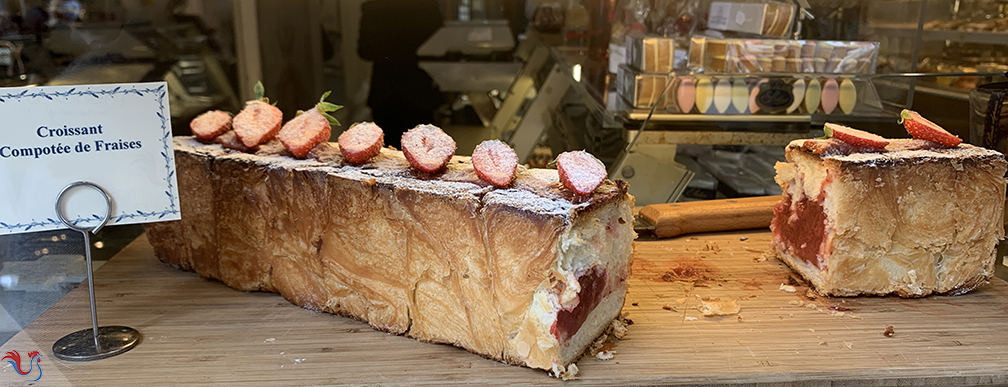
[(529, 274), (911, 217)]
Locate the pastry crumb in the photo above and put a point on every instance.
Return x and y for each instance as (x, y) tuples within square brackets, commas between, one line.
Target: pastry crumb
[(667, 307), (716, 307), (787, 288), (596, 346), (690, 318), (889, 331), (848, 344), (822, 342), (743, 239), (619, 328), (604, 355), (565, 373)]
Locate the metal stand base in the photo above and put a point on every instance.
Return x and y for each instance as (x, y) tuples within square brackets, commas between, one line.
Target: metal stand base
[(98, 342), (80, 345)]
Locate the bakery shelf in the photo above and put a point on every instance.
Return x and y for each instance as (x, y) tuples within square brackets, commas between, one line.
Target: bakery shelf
[(641, 115), (661, 137), (978, 37), (943, 91)]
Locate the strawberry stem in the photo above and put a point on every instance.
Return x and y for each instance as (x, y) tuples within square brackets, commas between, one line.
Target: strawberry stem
[(904, 116), (260, 94), (332, 120), (325, 108), (259, 90)]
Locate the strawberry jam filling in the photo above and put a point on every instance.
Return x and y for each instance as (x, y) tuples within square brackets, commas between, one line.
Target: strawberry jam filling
[(801, 228), (593, 288)]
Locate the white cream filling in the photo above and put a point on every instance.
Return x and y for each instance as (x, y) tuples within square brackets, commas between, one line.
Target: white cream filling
[(587, 244)]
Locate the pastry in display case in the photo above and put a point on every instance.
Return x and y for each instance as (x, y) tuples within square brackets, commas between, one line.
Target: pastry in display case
[(764, 18), (943, 36), (756, 73), (734, 76), (901, 233), (428, 249), (418, 242), (742, 56), (876, 41)]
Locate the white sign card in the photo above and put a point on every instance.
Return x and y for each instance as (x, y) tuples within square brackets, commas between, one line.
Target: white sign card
[(117, 136)]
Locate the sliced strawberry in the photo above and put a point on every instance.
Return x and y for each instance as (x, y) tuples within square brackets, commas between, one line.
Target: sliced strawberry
[(495, 162), (920, 127), (272, 147), (580, 171), (427, 147), (230, 140), (257, 123), (211, 124), (361, 142), (855, 137), (304, 132)]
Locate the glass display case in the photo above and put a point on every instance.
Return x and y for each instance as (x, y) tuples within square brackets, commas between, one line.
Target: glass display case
[(682, 106), (687, 100), (722, 77)]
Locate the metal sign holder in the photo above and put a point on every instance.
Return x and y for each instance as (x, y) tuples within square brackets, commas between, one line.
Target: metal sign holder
[(96, 342)]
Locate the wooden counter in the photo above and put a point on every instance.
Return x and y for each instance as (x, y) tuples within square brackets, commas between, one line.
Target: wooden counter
[(200, 332)]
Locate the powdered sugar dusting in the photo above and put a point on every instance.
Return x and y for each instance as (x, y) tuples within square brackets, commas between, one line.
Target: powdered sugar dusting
[(437, 187), (535, 190), (528, 200), (899, 150), (190, 144)]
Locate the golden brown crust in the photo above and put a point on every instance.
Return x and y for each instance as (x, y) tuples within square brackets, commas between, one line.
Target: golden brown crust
[(432, 256), (910, 222)]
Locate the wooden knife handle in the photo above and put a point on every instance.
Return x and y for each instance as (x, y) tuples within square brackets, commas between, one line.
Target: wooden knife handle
[(672, 219)]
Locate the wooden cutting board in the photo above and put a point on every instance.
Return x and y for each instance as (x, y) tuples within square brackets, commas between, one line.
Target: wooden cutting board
[(197, 331)]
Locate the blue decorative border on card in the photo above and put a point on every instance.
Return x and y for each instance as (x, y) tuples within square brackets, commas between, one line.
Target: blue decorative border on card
[(160, 94)]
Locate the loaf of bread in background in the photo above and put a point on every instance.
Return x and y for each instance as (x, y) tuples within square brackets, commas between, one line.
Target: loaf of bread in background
[(912, 220), (529, 275)]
